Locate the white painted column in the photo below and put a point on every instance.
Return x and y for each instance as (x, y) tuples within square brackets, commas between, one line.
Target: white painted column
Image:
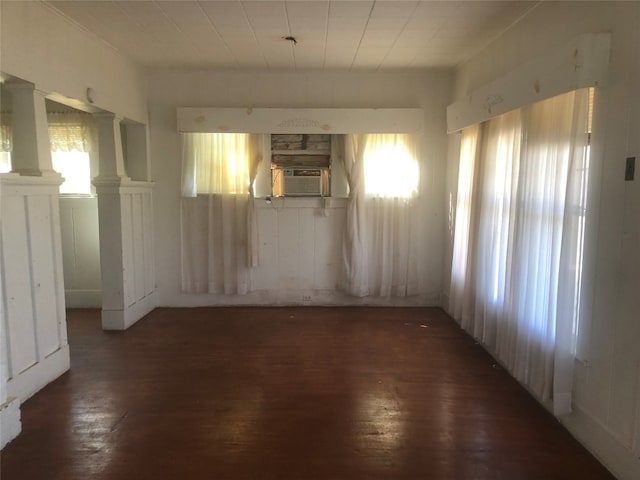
[(126, 249), (110, 146), (31, 153)]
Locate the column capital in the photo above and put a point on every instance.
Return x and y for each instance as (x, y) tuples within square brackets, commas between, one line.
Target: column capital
[(104, 115), (20, 87), (31, 147)]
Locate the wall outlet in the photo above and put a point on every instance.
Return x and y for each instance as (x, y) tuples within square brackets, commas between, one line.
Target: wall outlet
[(306, 298)]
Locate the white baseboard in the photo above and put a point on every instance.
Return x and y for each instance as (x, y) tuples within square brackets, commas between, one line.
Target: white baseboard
[(83, 298), (37, 376), (10, 425), (620, 460), (123, 319), (292, 297)]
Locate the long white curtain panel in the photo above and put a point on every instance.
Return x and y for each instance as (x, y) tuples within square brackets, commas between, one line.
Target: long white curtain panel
[(516, 271)]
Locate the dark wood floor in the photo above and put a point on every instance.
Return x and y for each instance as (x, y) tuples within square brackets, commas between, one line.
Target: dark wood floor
[(287, 393)]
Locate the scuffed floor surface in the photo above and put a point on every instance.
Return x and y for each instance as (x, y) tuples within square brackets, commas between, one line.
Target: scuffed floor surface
[(287, 393)]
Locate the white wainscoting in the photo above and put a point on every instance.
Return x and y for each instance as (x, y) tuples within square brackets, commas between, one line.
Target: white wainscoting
[(127, 262), (137, 247), (300, 256), (300, 242), (33, 291)]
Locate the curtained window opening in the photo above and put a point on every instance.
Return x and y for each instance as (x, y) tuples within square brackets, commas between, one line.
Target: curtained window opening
[(219, 234), (384, 230), (391, 168), (72, 139), (516, 275)]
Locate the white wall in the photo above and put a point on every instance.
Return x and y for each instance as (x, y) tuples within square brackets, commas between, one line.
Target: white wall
[(299, 247), (607, 381), (80, 252), (40, 46)]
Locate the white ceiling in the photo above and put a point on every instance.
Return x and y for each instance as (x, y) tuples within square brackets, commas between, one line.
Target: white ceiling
[(337, 34)]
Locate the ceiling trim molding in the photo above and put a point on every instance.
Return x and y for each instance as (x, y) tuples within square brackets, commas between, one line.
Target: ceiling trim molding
[(300, 120), (582, 62)]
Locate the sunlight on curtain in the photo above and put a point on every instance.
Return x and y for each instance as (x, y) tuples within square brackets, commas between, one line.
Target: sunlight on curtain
[(75, 168), (5, 132), (519, 232), (71, 131), (72, 136), (391, 166), (469, 151), (215, 163), (382, 234), (218, 220), (5, 142)]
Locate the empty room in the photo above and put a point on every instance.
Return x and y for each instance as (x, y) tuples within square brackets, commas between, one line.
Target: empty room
[(368, 239)]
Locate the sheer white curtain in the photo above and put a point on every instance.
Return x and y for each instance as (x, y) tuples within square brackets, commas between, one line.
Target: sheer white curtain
[(5, 132), (219, 235), (73, 139), (519, 221), (381, 240), (460, 281), (5, 142), (71, 131)]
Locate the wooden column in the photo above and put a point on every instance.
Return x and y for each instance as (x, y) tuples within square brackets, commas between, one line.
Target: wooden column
[(126, 252), (31, 153)]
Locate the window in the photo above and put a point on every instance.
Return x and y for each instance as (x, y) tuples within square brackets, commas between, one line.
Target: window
[(216, 163), (391, 166), (71, 139), (517, 274), (71, 136), (5, 162), (75, 168), (218, 219), (5, 143), (384, 230)]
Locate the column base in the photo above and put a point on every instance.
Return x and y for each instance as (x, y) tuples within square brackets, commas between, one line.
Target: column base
[(123, 319), (10, 425)]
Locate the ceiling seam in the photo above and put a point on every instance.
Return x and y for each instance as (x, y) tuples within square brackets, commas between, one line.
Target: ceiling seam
[(133, 20), (290, 34), (326, 36), (215, 29), (415, 7), (177, 27), (355, 55), (253, 34)]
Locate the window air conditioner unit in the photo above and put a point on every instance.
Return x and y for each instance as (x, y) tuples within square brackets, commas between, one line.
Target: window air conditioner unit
[(302, 181)]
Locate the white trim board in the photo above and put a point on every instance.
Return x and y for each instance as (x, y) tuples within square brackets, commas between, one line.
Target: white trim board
[(300, 120), (581, 63), (619, 459)]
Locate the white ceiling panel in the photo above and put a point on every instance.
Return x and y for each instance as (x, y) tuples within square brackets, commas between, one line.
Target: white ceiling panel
[(331, 34), (311, 10), (398, 9), (350, 8)]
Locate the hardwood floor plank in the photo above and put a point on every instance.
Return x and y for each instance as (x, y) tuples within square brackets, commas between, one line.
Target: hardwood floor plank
[(287, 393)]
